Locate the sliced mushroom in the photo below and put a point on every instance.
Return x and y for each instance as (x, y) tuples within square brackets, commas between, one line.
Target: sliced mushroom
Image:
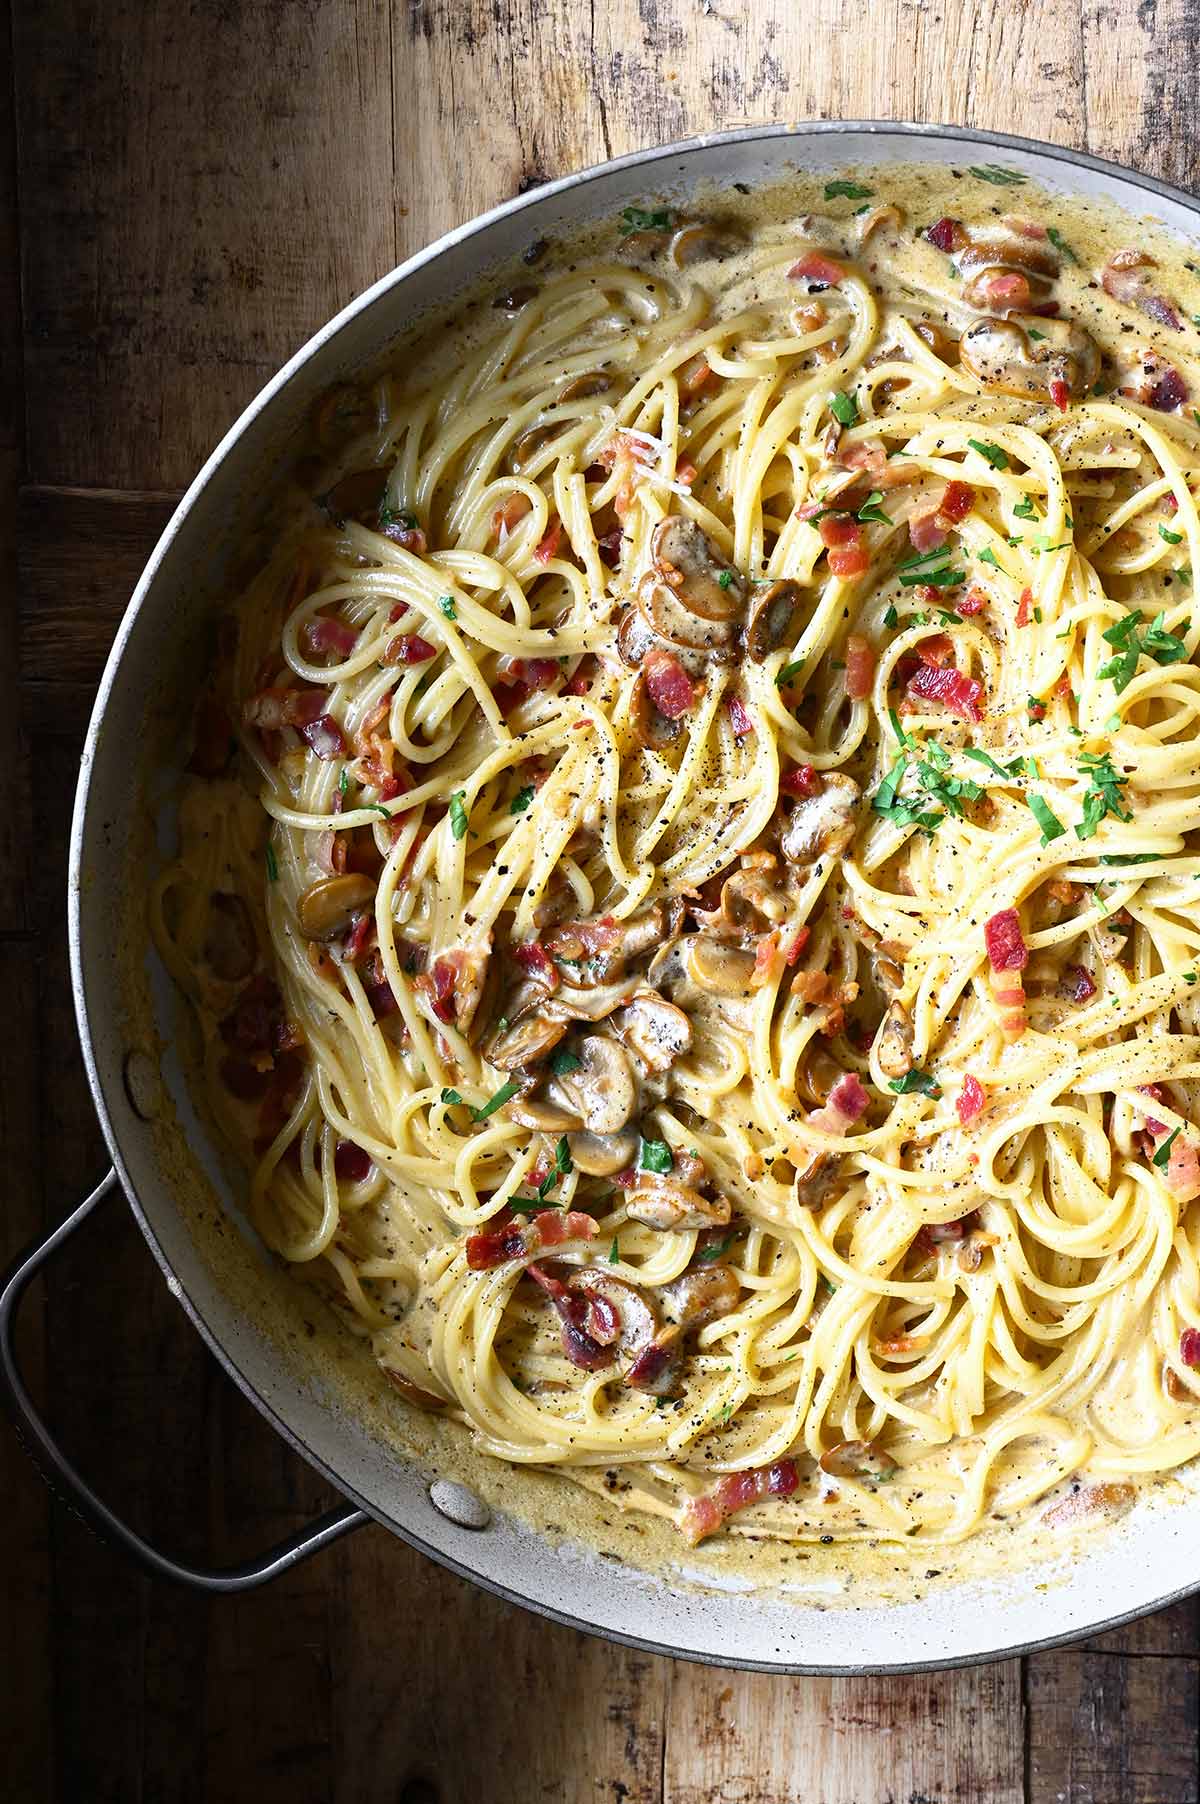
[(325, 909), (652, 728), (477, 976), (724, 970), (357, 496), (772, 618), (702, 1296), (414, 1393), (822, 825), (858, 1459), (702, 238), (230, 950), (528, 1041), (602, 1155), (594, 1002), (543, 1114), (672, 1207), (1002, 354), (685, 560), (533, 440), (603, 1089), (582, 387), (752, 902), (668, 616), (635, 636), (896, 1042), (655, 1029)]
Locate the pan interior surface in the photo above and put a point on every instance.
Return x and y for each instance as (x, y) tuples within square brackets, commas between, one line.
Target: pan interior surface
[(569, 1555)]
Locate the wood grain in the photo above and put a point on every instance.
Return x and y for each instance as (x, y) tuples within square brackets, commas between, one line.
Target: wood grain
[(197, 189)]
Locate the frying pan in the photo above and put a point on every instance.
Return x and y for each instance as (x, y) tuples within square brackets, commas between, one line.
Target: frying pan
[(529, 1539)]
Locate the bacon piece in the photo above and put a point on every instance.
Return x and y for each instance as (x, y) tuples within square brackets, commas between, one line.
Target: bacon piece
[(358, 939), (925, 531), (553, 1226), (1189, 1348), (507, 515), (860, 667), (962, 695), (274, 709), (502, 1241), (351, 1163), (1183, 1168), (685, 472), (704, 1514), (325, 632), (547, 548), (740, 717), (325, 737), (441, 980), (574, 1310), (1080, 985), (408, 648), (1088, 1501), (1007, 957), (255, 1023), (868, 454), (841, 534), (534, 959), (668, 684), (1025, 607), (973, 602), (970, 1100), (608, 545), (846, 1103), (1060, 393), (803, 781), (212, 745), (795, 950), (816, 268), (936, 651), (1001, 291), (957, 502), (947, 234), (1169, 392)]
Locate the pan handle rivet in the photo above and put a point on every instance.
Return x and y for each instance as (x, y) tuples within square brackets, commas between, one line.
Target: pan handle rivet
[(459, 1505)]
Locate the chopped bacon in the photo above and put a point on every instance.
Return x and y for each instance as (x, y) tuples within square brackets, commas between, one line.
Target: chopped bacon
[(803, 781), (846, 1103), (212, 747), (957, 501), (973, 602), (962, 695), (547, 548), (970, 1099), (867, 454), (696, 376), (947, 234), (553, 1226), (1007, 957), (519, 678), (740, 717), (504, 1240), (325, 737), (577, 1310), (358, 939), (766, 959), (351, 1163), (534, 959), (860, 667), (926, 531), (704, 1514), (1161, 311), (443, 976), (325, 632), (408, 648), (685, 472), (1080, 985), (1001, 291), (411, 538), (841, 534), (937, 651), (1025, 607), (1060, 393), (1169, 392), (1121, 279), (668, 684), (608, 545), (1183, 1168), (378, 990), (795, 951), (818, 269), (1189, 1348), (273, 709)]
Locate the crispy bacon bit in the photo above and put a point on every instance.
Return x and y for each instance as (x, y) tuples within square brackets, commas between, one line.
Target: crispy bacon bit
[(867, 454), (442, 979), (325, 632), (962, 695), (846, 1103), (553, 1226), (1025, 607), (740, 717), (696, 376), (648, 1368), (668, 684), (803, 781), (1080, 984), (520, 678), (547, 548), (608, 545), (703, 1515), (973, 602), (212, 746), (936, 651), (1007, 957), (1189, 1348), (534, 959), (358, 939), (841, 534), (1169, 392), (926, 531), (1001, 291), (795, 951), (325, 737), (685, 472), (860, 667), (957, 502), (1060, 393), (504, 1240), (351, 1163), (576, 1309), (273, 709), (507, 515), (408, 648), (1183, 1168), (970, 1100), (766, 959), (946, 234), (818, 270)]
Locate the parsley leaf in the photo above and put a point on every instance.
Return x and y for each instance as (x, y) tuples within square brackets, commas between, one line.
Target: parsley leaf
[(637, 219), (562, 1063), (1103, 796), (916, 1080), (503, 1095), (1162, 1156), (1172, 538), (458, 815), (998, 176), (995, 454), (710, 1254), (847, 190), (521, 800), (891, 618), (344, 779), (1047, 820), (614, 1253), (725, 580), (1025, 510), (1132, 637), (1060, 244), (655, 1155), (871, 510), (844, 408), (788, 672), (272, 864), (988, 556), (452, 1097), (561, 1168), (446, 604), (932, 568)]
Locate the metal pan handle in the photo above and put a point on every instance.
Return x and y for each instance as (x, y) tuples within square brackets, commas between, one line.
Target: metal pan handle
[(73, 1490)]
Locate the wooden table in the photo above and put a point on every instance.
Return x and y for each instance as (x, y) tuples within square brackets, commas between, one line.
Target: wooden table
[(188, 191)]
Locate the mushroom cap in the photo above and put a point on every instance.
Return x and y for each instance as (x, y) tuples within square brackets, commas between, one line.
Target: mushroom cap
[(895, 1043), (718, 967), (772, 616), (702, 1296), (1001, 354), (672, 1207), (655, 1029), (527, 1041), (683, 556), (602, 1155), (603, 1089), (666, 611), (325, 908)]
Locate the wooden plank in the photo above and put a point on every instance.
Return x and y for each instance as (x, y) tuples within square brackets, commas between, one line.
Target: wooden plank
[(454, 1697), (1141, 84), (1110, 1730), (201, 190)]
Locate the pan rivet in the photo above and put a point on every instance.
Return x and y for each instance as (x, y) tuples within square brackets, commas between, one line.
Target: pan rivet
[(143, 1085), (459, 1505)]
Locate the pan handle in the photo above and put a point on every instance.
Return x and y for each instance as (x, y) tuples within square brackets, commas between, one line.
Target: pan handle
[(73, 1490)]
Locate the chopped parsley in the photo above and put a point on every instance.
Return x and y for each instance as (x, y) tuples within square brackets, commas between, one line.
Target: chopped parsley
[(1060, 244), (614, 1253), (654, 1155), (988, 556), (1172, 538), (344, 779), (521, 800), (1132, 637), (844, 408), (1032, 332), (871, 510), (847, 191), (1047, 820), (637, 219), (998, 176), (1103, 796), (931, 773), (452, 1097), (788, 672), (725, 579), (378, 808), (561, 1168), (272, 864), (1131, 858), (710, 1254), (446, 604), (995, 454), (1025, 510), (458, 815), (503, 1095), (1162, 1156), (932, 568), (1018, 767), (562, 1063), (891, 618), (916, 1081), (390, 516)]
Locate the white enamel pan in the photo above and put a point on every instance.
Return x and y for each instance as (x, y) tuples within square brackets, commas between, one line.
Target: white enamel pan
[(165, 1156)]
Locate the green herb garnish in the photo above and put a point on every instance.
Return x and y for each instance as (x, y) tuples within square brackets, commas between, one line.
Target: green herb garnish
[(655, 1155), (871, 510), (725, 579), (995, 454), (788, 672), (847, 191), (458, 815), (272, 864), (844, 408), (916, 1081), (1172, 538), (637, 219), (988, 556), (614, 1253), (562, 1063), (561, 1168), (932, 568), (452, 1097), (344, 779), (1060, 244), (998, 176), (1047, 820), (1103, 796), (446, 604), (1162, 1156), (710, 1254), (521, 800), (1133, 637), (503, 1095), (891, 618), (1025, 510)]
